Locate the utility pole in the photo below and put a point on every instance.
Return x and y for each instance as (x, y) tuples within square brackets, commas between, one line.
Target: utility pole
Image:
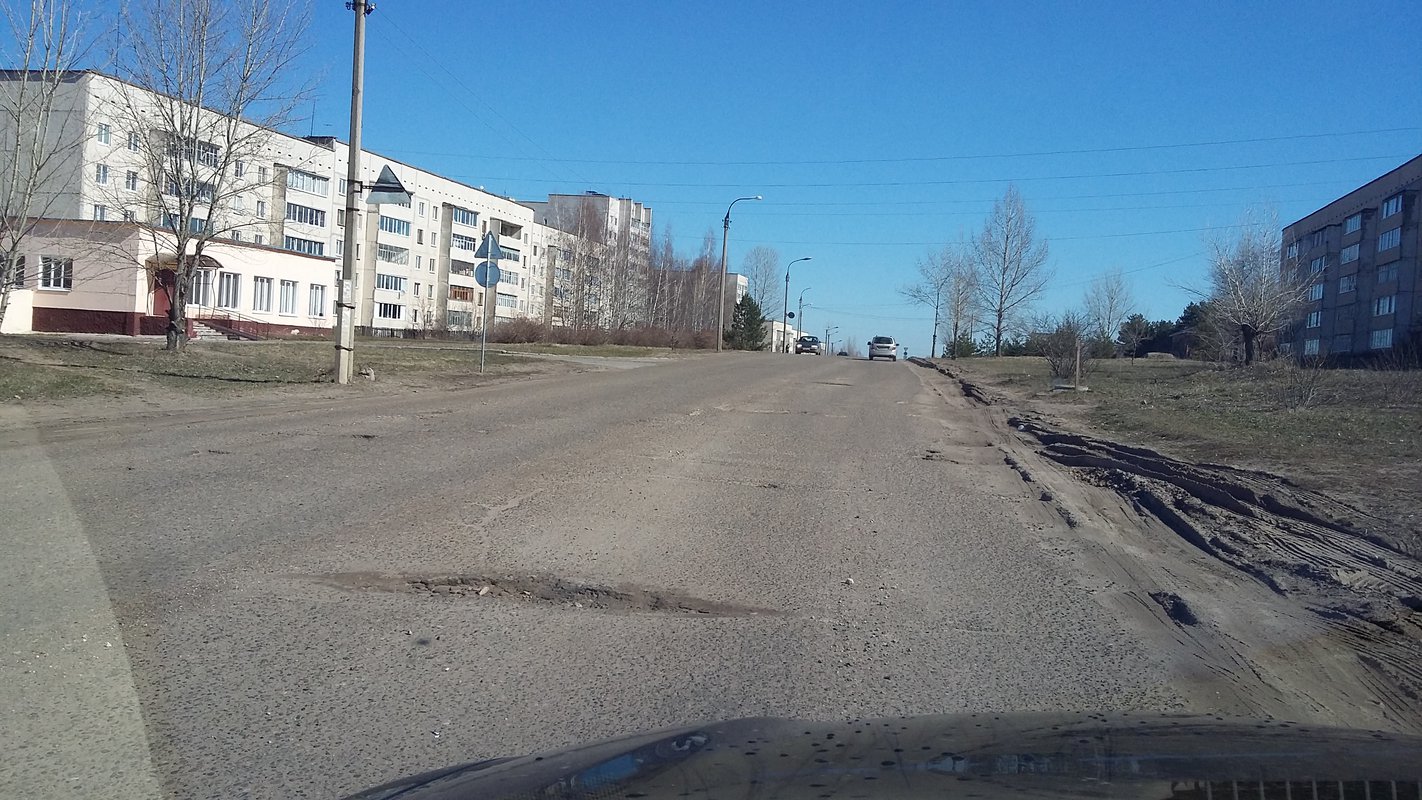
[(785, 311), (345, 293), (721, 295)]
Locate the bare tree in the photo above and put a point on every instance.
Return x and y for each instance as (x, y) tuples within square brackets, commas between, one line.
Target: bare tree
[(1012, 264), (762, 268), (1108, 303), (1252, 293), (38, 135), (208, 84)]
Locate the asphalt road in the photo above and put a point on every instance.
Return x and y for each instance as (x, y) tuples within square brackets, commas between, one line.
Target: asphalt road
[(181, 609)]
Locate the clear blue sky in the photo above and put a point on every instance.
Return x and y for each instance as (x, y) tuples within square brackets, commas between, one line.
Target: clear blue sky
[(876, 130)]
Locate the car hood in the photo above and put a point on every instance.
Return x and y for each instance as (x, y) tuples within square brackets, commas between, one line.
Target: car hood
[(968, 756)]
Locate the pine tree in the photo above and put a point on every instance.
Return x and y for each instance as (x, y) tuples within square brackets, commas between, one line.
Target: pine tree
[(747, 326)]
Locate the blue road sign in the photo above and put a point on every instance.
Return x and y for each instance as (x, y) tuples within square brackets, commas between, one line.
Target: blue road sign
[(486, 274)]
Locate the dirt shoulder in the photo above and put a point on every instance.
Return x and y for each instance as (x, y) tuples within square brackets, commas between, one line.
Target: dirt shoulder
[(1259, 553), (1353, 435)]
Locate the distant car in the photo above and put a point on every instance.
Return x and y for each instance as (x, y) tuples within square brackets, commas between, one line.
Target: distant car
[(809, 344), (883, 347), (843, 353)]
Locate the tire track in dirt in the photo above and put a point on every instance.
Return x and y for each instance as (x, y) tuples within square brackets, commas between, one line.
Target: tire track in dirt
[(1342, 636)]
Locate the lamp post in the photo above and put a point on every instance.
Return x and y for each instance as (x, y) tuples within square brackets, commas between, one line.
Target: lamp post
[(345, 292), (721, 295), (785, 312), (830, 331), (800, 319)]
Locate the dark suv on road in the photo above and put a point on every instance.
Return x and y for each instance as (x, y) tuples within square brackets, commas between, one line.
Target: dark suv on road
[(809, 344)]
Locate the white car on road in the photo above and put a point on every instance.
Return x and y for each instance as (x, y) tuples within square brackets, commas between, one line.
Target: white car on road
[(883, 347)]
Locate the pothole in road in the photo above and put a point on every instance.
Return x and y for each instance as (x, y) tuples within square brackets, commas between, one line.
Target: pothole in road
[(543, 590)]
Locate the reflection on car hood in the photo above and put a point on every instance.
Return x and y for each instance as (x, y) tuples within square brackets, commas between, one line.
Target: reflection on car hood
[(967, 756)]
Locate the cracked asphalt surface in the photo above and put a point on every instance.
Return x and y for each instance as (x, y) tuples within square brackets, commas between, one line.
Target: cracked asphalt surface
[(905, 568)]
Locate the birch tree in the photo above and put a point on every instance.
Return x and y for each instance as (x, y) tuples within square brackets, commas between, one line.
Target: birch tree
[(1108, 303), (208, 83), (38, 137), (761, 267), (1252, 292), (1012, 263), (947, 284)]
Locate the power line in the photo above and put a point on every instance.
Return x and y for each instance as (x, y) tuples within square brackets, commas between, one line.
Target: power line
[(940, 243), (963, 181), (932, 159), (1113, 195), (489, 107)]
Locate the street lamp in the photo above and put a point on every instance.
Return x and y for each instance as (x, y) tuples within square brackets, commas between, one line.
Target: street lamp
[(721, 296), (785, 312), (800, 320)]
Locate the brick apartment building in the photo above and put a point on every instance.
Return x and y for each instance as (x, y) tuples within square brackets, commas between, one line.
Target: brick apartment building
[(1361, 252)]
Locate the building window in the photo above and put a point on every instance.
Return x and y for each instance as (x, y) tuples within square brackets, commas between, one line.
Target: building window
[(235, 236), (1342, 343), (305, 215), (508, 276), (101, 213), (429, 291), (1318, 264), (463, 242), (1353, 223), (419, 236), (310, 247), (128, 216), (258, 238), (264, 174), (434, 212), (308, 182), (133, 141), (1349, 254), (1318, 238), (463, 216), (201, 291), (262, 209), (417, 289), (1293, 251), (507, 300), (396, 226), (261, 294), (288, 298), (316, 304), (340, 218), (422, 209), (239, 168), (391, 254), (103, 133), (130, 180), (1310, 347), (1387, 274), (1315, 292), (393, 283), (1389, 239), (459, 319), (1380, 340), (101, 173), (1392, 205), (1315, 319), (1347, 283), (464, 294), (229, 289), (1385, 305), (56, 272), (389, 311)]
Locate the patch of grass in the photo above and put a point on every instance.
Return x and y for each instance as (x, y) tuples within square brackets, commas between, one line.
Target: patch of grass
[(20, 382), (59, 367), (1358, 433), (597, 350)]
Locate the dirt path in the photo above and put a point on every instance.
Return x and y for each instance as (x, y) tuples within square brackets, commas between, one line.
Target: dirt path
[(1270, 598)]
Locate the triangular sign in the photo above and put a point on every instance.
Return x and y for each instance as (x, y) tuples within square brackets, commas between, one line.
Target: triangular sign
[(387, 189), (489, 248)]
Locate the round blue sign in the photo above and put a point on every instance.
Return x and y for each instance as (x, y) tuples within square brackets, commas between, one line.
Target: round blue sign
[(486, 274)]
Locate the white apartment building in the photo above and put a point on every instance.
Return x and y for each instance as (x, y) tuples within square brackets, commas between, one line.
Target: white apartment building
[(282, 232), (606, 280)]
